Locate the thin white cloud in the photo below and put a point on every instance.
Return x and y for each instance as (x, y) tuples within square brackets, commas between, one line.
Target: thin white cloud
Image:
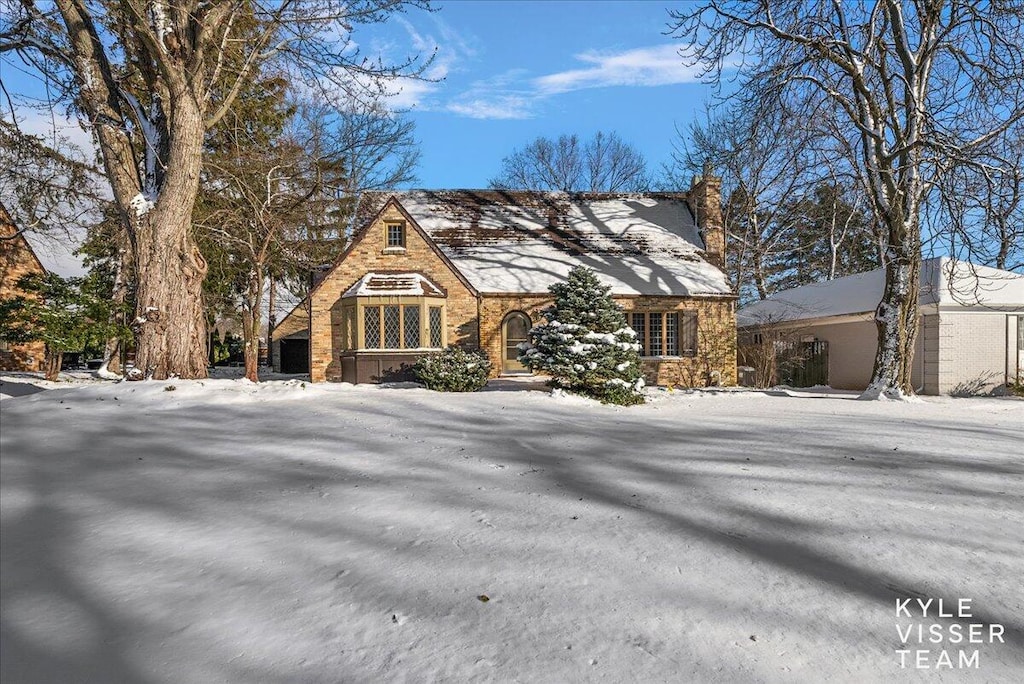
[(494, 107), (448, 52), (409, 93), (515, 95), (644, 67)]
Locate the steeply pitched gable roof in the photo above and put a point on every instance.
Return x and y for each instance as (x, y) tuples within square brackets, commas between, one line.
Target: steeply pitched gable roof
[(523, 242)]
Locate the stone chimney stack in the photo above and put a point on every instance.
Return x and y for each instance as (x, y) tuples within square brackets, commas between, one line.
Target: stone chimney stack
[(705, 199)]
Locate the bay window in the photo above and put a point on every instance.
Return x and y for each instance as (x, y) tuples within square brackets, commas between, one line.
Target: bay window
[(393, 312)]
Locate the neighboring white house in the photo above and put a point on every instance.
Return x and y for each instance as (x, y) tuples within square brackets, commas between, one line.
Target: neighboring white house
[(970, 334)]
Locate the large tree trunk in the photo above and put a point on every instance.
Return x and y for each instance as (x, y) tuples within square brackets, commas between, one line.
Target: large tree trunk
[(155, 192), (170, 322), (896, 315)]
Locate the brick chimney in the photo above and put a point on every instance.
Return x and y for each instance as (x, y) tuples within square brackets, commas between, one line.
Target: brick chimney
[(705, 198)]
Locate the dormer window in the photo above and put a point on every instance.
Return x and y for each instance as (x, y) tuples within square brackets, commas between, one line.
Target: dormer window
[(395, 235)]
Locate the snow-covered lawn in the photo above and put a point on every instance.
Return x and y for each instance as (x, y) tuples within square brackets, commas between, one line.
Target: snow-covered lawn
[(226, 532)]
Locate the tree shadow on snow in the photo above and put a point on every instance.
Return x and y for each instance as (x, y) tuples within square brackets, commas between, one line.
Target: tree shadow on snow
[(268, 472)]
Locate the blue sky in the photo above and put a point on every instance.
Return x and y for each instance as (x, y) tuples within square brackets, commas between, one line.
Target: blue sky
[(508, 71), (513, 71)]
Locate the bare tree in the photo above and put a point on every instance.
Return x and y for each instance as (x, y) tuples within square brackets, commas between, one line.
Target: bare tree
[(150, 77), (361, 147), (605, 163), (761, 153), (278, 190), (44, 190), (977, 209), (255, 195), (918, 85)]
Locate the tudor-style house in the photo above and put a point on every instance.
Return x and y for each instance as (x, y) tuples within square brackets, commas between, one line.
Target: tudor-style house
[(427, 269)]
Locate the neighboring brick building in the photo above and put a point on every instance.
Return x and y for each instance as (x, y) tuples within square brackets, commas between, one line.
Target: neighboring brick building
[(17, 259), (428, 269)]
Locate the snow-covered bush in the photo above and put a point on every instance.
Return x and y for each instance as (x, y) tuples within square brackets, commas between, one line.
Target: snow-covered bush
[(453, 370), (585, 345)]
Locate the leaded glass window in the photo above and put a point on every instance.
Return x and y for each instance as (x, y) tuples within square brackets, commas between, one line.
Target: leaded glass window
[(392, 328), (668, 333), (672, 334), (435, 326), (396, 235), (411, 326), (371, 326), (639, 325)]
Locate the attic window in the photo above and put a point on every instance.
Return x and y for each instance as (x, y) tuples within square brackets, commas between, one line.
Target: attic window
[(395, 235)]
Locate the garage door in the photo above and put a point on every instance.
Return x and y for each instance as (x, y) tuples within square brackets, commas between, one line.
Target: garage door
[(294, 356)]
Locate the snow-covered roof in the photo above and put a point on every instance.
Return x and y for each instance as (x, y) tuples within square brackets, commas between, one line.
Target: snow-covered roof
[(393, 284), (518, 241), (945, 282)]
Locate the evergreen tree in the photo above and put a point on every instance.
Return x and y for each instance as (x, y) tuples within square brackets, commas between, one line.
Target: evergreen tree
[(66, 314), (585, 345), (824, 237)]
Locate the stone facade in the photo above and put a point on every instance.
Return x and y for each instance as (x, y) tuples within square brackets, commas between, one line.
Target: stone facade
[(475, 320), (714, 360), (706, 199), (493, 310), (716, 335), (16, 260), (369, 253)]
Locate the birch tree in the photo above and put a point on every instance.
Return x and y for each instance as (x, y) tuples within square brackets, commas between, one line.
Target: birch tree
[(150, 77), (917, 85)]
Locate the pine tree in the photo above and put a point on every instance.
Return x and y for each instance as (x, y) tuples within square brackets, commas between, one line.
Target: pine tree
[(66, 314), (585, 345)]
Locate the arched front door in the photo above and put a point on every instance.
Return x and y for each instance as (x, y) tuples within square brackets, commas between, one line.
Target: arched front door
[(513, 332)]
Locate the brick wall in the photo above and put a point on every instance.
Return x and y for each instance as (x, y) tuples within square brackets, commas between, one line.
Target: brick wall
[(472, 322), (369, 253), (972, 352), (716, 341), (705, 198), (716, 334), (16, 260), (493, 309)]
